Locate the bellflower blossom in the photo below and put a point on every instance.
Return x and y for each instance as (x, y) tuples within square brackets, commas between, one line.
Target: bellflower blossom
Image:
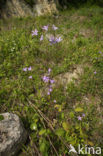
[(45, 79), (49, 70), (59, 39), (48, 93), (54, 27), (54, 101), (35, 33), (25, 69), (52, 40), (79, 118), (45, 27), (30, 77), (95, 72), (41, 38), (83, 115), (100, 52), (52, 81), (50, 89), (29, 69), (49, 81)]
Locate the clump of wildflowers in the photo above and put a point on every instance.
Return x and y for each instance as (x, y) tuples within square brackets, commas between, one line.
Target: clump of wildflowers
[(47, 79), (81, 117), (52, 39), (27, 69)]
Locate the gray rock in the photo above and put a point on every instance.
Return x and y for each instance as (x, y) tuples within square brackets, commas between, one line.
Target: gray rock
[(18, 8), (12, 134), (43, 7)]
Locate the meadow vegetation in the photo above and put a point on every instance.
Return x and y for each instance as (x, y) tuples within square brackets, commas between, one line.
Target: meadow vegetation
[(33, 53)]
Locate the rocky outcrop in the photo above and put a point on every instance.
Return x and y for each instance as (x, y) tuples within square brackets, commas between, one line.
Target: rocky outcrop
[(44, 7), (16, 8), (20, 8), (12, 134)]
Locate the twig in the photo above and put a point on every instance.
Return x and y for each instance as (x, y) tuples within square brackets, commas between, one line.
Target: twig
[(36, 148), (48, 122), (50, 140)]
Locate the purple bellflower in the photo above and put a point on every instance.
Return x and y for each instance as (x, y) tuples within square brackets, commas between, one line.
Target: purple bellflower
[(59, 39), (45, 79), (41, 38), (54, 101), (35, 33), (79, 118), (25, 69), (45, 27), (30, 77), (54, 27), (29, 69)]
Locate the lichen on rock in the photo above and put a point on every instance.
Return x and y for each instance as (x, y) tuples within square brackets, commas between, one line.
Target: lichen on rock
[(12, 134)]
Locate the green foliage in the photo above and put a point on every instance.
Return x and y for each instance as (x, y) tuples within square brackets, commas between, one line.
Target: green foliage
[(1, 117), (72, 113)]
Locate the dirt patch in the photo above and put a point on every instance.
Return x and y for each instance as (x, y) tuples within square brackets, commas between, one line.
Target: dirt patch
[(89, 99), (63, 80), (75, 17), (66, 78), (86, 32)]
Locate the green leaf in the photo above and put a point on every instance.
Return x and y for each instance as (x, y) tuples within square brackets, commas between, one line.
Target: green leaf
[(42, 131), (26, 108), (71, 114), (62, 115), (44, 146), (1, 117), (79, 109), (35, 118), (60, 132), (73, 142), (65, 126), (77, 127), (33, 126)]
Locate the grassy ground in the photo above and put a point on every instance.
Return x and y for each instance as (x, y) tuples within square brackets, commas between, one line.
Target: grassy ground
[(73, 112)]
